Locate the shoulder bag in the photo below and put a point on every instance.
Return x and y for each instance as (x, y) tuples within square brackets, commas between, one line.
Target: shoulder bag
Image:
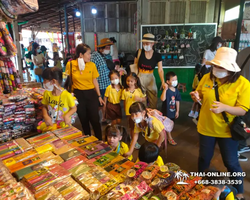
[(69, 81), (239, 127), (134, 67)]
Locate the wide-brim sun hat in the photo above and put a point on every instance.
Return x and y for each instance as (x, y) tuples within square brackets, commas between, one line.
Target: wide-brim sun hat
[(226, 58), (105, 42), (148, 37)]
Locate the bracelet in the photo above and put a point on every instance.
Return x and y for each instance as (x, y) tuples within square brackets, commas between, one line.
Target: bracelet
[(99, 96)]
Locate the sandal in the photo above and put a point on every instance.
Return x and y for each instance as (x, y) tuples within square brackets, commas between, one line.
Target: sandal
[(172, 142)]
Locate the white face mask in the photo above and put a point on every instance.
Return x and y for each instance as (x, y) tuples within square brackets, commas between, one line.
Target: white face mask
[(138, 120), (115, 82), (220, 73), (81, 64), (174, 83), (219, 46), (147, 47), (106, 52), (49, 87)]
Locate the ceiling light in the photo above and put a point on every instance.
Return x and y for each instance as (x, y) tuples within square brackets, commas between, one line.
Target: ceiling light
[(78, 13), (93, 10)]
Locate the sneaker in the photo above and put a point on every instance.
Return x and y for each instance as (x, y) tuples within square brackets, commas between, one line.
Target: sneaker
[(195, 121), (244, 149), (242, 158), (191, 114), (196, 114), (137, 146)]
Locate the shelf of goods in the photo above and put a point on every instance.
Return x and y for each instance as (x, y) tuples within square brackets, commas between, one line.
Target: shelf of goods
[(20, 112), (64, 164)]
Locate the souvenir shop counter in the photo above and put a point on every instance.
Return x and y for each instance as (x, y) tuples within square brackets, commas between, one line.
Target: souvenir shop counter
[(20, 112), (64, 164)]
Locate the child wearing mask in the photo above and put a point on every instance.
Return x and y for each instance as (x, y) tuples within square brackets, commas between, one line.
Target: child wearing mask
[(58, 103), (171, 101), (132, 92), (112, 98), (117, 137), (151, 128)]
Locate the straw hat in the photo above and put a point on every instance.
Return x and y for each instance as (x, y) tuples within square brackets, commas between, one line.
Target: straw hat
[(226, 58), (105, 42), (148, 37)]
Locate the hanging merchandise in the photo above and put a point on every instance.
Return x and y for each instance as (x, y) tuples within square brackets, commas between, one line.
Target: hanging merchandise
[(19, 7), (11, 47), (10, 79)]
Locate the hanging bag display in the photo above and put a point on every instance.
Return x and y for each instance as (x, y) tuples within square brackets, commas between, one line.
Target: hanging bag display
[(134, 67), (239, 129)]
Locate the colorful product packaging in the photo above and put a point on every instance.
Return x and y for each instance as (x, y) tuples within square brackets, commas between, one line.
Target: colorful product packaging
[(73, 162), (70, 154), (18, 158), (105, 159), (37, 180), (82, 140), (68, 133)]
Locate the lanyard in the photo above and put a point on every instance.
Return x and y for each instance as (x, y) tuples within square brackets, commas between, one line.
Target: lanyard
[(118, 148), (58, 106)]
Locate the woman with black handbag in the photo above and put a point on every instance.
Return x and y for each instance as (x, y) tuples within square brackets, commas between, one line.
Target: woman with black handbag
[(223, 92), (82, 79)]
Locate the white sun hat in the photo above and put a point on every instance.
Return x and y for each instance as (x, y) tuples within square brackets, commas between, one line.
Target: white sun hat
[(226, 58), (148, 37)]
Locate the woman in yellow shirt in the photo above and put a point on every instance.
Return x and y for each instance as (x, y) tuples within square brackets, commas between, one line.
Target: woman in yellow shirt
[(152, 128), (234, 95), (86, 89)]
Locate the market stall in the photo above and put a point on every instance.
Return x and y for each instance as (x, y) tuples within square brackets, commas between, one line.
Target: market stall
[(64, 164)]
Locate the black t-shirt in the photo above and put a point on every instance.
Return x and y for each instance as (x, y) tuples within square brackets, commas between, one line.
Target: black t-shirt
[(169, 105), (146, 64)]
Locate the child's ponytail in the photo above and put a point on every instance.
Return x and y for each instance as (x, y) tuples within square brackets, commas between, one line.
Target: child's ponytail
[(114, 130)]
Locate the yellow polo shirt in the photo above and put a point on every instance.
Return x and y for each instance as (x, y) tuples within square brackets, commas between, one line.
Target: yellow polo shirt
[(158, 162), (129, 98), (232, 94), (123, 149), (157, 128), (82, 80), (113, 95)]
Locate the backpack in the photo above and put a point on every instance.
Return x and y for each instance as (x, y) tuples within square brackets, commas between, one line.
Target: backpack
[(204, 70)]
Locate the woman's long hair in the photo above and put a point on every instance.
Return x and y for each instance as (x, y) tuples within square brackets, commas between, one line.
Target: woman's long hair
[(215, 42), (81, 48), (34, 47)]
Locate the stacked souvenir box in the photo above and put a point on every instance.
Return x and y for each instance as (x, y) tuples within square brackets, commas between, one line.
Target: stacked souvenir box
[(10, 189)]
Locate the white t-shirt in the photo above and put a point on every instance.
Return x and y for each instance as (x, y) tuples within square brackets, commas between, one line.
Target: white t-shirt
[(114, 52), (209, 55), (38, 58)]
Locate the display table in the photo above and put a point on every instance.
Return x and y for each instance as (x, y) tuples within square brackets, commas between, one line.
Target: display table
[(64, 164)]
